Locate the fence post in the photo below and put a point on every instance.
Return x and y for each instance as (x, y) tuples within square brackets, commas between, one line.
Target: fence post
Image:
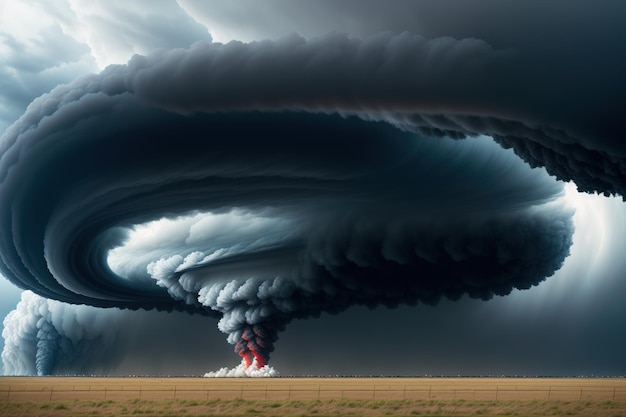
[(581, 394), (429, 390), (549, 392), (9, 393), (318, 392), (613, 393), (51, 389), (404, 392), (174, 391), (497, 390), (374, 392), (105, 393)]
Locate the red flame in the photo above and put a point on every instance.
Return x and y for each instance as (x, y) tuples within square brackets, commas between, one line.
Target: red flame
[(250, 355), (247, 357), (252, 346), (260, 362)]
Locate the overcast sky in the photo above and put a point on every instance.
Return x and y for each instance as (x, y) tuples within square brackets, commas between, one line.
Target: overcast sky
[(336, 187)]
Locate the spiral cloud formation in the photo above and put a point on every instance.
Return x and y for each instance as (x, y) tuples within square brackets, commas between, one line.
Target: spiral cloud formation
[(274, 180)]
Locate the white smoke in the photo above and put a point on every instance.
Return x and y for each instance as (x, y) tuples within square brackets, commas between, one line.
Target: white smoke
[(45, 337), (253, 371)]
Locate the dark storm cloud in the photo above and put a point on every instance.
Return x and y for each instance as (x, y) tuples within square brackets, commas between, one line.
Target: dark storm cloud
[(375, 212), (593, 170), (566, 74), (457, 87)]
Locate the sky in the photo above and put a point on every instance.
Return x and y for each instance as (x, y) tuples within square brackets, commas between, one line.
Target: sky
[(244, 188)]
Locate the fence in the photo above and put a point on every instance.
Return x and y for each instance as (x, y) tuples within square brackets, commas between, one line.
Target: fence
[(319, 392)]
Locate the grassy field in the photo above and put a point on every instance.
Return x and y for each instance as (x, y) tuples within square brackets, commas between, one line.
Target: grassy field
[(65, 396)]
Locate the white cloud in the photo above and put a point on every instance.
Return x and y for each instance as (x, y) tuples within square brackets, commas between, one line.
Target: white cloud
[(115, 32), (43, 44), (206, 236)]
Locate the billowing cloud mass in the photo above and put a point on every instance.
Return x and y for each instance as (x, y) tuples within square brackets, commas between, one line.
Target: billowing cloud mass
[(267, 181), (43, 337)]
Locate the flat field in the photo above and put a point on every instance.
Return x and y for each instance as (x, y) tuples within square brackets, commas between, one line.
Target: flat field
[(78, 396)]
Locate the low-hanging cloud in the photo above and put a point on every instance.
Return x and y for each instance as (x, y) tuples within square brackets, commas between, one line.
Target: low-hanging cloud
[(298, 177), (44, 337)]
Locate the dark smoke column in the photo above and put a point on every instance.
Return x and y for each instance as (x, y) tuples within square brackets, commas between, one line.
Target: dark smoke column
[(256, 343)]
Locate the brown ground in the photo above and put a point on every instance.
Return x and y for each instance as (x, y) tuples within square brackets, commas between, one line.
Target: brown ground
[(52, 396)]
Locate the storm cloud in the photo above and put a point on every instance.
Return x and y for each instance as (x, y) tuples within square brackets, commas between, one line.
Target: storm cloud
[(297, 177), (441, 86)]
